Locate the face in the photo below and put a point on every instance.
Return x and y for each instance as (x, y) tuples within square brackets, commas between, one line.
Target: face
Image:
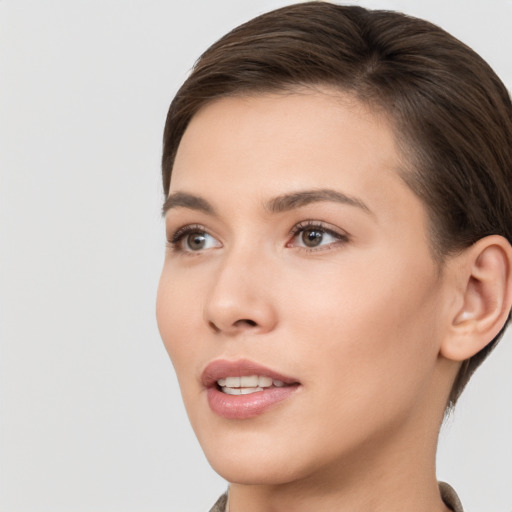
[(299, 259)]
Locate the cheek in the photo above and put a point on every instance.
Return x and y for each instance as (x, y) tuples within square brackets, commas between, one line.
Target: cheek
[(363, 324), (176, 313)]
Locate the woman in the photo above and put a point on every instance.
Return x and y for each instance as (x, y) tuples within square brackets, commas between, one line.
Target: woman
[(338, 215)]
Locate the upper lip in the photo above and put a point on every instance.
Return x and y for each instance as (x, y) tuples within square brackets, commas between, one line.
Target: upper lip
[(222, 368)]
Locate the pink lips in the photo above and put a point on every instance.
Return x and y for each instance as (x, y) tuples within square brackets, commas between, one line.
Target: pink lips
[(243, 406)]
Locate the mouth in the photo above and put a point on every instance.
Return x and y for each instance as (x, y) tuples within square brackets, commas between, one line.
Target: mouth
[(247, 384), (243, 389)]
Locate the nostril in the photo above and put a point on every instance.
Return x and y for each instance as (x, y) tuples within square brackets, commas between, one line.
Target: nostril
[(213, 327), (239, 324), (246, 321)]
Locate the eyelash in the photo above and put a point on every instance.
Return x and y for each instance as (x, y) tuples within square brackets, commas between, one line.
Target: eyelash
[(311, 225), (174, 241)]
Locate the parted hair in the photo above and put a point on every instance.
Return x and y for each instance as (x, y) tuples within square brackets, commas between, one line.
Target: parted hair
[(451, 114)]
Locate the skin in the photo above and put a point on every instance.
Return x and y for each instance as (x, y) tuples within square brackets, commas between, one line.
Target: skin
[(359, 320)]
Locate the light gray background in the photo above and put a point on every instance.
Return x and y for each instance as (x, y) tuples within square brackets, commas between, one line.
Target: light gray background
[(90, 413)]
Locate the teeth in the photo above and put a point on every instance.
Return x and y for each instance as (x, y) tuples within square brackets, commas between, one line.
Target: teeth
[(264, 382), (240, 391), (233, 382), (247, 384)]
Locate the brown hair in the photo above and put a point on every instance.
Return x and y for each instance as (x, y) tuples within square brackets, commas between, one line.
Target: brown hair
[(452, 114)]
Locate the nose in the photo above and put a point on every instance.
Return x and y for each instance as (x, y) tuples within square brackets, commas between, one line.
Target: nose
[(240, 297)]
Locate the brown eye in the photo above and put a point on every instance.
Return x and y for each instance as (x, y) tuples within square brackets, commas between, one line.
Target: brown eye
[(312, 237), (316, 236), (192, 238), (195, 241)]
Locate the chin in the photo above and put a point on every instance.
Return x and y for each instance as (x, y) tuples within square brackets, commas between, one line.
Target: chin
[(251, 459), (248, 472), (263, 461)]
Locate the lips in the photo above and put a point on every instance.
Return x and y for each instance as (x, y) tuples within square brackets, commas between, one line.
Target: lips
[(222, 369), (244, 389)]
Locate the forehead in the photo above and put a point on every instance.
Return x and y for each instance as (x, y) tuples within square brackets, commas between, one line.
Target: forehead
[(262, 144), (293, 125)]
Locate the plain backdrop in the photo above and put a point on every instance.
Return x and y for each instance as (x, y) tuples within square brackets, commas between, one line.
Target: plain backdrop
[(90, 414)]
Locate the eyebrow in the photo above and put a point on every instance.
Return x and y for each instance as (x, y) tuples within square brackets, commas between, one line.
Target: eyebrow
[(190, 201), (293, 200), (279, 204)]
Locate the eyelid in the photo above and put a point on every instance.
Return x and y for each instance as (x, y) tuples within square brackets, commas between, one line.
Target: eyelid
[(341, 235), (175, 238)]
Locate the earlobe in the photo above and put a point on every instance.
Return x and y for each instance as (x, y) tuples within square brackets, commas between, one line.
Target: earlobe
[(485, 275)]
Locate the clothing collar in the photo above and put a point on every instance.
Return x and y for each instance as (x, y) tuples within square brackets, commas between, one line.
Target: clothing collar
[(448, 495)]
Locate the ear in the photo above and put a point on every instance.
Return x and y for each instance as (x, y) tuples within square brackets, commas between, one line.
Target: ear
[(484, 287)]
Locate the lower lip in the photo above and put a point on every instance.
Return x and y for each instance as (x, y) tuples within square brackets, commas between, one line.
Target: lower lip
[(239, 407)]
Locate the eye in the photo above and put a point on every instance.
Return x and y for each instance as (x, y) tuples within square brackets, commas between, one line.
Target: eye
[(313, 235), (192, 239)]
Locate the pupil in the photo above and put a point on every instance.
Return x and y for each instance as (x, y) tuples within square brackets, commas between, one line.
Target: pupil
[(196, 240), (312, 237)]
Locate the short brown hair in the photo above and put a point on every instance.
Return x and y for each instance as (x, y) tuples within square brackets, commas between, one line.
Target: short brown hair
[(452, 115)]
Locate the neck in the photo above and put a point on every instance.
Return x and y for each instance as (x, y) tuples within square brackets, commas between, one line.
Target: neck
[(399, 476), (397, 486)]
